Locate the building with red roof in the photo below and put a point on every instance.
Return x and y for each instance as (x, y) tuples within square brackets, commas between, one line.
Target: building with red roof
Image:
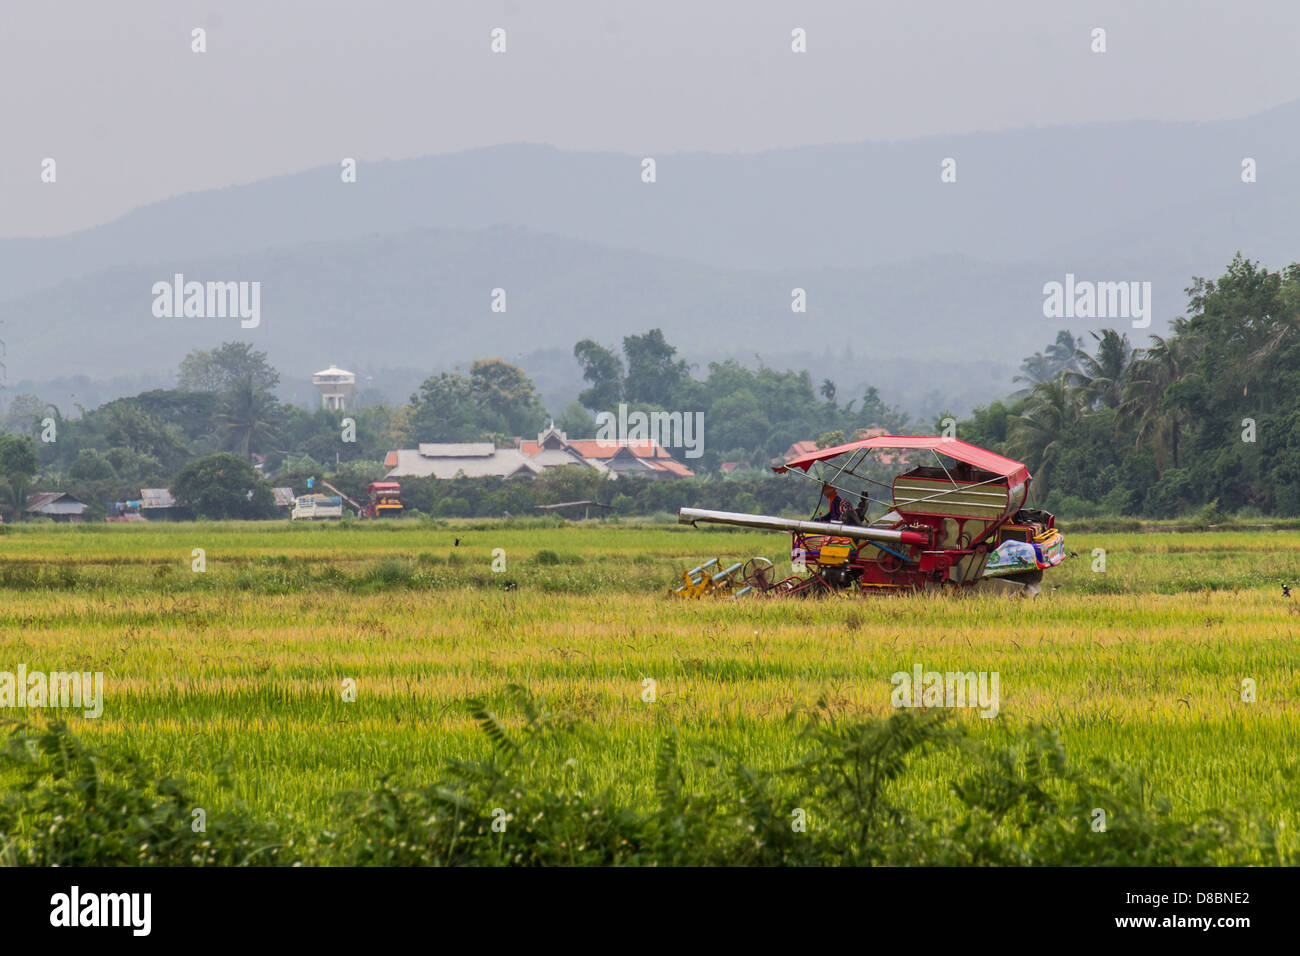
[(552, 449), (643, 457)]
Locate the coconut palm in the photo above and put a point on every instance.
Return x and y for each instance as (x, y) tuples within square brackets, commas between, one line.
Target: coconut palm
[(1101, 377), (1045, 366), (249, 418), (1035, 437), (1034, 370), (1156, 422), (1061, 352)]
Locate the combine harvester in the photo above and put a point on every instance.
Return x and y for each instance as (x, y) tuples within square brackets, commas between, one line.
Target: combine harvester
[(385, 500), (955, 518)]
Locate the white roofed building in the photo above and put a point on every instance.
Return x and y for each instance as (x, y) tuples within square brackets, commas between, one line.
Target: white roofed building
[(471, 459)]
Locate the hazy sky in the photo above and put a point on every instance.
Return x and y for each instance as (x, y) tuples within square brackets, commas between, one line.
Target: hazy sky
[(111, 90)]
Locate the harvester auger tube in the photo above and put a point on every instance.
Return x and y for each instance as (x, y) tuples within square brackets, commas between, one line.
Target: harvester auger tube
[(771, 523)]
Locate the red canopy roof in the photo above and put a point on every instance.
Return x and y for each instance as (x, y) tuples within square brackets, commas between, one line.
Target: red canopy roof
[(1014, 471)]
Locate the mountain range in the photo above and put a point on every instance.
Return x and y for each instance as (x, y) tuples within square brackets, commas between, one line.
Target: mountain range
[(931, 291)]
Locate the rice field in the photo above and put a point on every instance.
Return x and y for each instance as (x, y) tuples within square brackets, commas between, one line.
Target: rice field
[(230, 668)]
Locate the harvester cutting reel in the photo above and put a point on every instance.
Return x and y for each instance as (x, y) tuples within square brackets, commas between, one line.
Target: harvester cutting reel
[(716, 578)]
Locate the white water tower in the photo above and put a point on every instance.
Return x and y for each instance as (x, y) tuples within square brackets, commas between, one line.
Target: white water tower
[(334, 384)]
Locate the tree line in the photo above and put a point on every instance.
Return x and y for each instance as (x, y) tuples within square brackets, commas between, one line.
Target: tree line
[(1204, 418), (224, 404), (1207, 417)]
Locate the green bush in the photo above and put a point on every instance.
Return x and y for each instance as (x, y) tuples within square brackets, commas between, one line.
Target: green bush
[(1018, 802), (388, 573), (65, 811)]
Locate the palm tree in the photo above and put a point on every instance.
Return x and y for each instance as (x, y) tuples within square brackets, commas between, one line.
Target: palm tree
[(1045, 366), (1157, 422), (1102, 377), (249, 418), (1033, 371), (1036, 436), (828, 390), (1061, 352)]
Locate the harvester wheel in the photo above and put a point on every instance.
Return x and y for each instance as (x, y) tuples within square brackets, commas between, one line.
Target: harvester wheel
[(758, 573), (889, 562)]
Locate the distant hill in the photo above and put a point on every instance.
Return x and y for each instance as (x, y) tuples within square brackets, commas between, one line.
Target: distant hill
[(900, 269), (422, 299)]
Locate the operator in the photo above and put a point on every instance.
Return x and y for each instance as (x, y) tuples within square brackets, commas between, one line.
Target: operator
[(840, 510)]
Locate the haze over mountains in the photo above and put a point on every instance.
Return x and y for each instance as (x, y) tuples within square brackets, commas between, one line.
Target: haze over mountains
[(396, 271)]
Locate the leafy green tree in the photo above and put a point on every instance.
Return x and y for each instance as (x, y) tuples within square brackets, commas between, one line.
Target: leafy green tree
[(604, 371), (576, 422), (137, 468), (1246, 329), (445, 410), (18, 464), (507, 395), (222, 486), (17, 457), (222, 369), (194, 413), (988, 425), (23, 415), (874, 411), (653, 374), (124, 425), (497, 399), (92, 466), (572, 483)]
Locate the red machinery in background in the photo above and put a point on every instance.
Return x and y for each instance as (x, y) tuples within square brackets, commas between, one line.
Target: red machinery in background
[(384, 500)]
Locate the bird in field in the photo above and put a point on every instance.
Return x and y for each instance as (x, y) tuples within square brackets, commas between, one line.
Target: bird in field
[(457, 544), (1286, 590)]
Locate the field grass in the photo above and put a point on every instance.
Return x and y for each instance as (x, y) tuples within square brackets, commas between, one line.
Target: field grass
[(232, 677)]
